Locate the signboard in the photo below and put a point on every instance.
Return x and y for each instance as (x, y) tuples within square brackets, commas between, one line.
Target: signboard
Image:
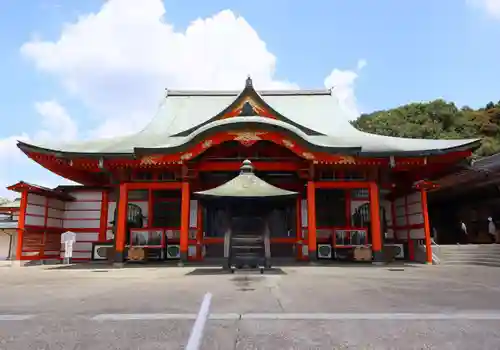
[(68, 238)]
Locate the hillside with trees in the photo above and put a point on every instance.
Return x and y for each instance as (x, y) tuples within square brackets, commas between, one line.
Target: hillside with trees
[(438, 119)]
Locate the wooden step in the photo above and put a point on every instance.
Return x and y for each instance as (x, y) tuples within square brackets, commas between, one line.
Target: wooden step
[(247, 247)]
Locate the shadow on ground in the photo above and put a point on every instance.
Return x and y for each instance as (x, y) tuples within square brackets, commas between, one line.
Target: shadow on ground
[(221, 271), (215, 267)]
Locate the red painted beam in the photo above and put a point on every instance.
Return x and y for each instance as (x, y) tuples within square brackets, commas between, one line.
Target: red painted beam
[(259, 166), (154, 185), (343, 184)]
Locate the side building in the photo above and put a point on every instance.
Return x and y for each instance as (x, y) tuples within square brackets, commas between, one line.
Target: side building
[(143, 190), (9, 215), (472, 196)]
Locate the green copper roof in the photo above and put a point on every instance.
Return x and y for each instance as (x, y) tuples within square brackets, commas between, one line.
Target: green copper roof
[(316, 110)]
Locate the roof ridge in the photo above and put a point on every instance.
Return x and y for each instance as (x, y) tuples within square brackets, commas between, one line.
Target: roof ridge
[(295, 92)]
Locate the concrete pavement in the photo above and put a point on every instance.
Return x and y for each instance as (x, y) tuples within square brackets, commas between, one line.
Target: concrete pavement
[(293, 308)]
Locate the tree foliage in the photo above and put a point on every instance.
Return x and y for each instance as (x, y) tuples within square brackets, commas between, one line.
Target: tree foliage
[(438, 119)]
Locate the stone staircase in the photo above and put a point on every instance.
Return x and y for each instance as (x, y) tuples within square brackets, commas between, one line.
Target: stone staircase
[(469, 254)]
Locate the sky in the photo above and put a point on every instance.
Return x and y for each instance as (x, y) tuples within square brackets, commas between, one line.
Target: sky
[(85, 69)]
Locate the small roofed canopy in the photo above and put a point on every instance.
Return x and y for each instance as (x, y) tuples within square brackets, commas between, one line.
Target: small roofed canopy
[(246, 185), (40, 190)]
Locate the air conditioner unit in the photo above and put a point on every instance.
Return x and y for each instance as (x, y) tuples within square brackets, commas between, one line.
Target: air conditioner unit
[(173, 251), (325, 251), (100, 251), (400, 252)]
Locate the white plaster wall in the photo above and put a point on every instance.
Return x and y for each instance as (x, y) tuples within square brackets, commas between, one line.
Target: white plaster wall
[(85, 196), (35, 199), (85, 211), (5, 243), (32, 209), (35, 210), (57, 204), (417, 233), (86, 224), (34, 220), (87, 236), (83, 205)]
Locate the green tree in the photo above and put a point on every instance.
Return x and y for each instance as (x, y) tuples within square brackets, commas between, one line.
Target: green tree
[(437, 119)]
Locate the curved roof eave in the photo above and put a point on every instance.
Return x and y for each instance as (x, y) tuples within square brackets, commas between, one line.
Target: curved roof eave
[(27, 148), (468, 144), (246, 123)]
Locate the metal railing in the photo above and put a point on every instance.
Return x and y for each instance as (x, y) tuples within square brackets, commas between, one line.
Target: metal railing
[(436, 248)]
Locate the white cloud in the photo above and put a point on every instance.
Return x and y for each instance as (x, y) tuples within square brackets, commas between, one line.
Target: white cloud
[(361, 64), (8, 149), (342, 82), (491, 7), (119, 60), (55, 125)]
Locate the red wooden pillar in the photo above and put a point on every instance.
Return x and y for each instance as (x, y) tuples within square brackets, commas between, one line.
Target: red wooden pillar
[(311, 219), (121, 224), (184, 234), (427, 226), (375, 224), (20, 225), (298, 235)]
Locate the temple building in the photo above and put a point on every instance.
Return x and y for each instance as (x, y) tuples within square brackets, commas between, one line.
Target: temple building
[(9, 212), (211, 162)]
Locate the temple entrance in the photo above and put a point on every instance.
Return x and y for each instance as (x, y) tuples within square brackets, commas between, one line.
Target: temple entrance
[(272, 219)]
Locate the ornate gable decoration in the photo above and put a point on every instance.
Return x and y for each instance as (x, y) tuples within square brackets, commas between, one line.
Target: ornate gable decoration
[(249, 106)]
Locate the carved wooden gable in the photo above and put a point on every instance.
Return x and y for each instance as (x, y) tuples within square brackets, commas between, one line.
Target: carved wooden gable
[(248, 107)]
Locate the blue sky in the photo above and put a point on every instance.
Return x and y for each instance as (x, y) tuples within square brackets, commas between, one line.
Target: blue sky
[(105, 77)]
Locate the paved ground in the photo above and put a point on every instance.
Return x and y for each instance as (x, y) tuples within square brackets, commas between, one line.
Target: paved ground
[(295, 308)]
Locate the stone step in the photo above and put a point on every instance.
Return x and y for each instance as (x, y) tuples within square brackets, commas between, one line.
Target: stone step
[(471, 247), (469, 251), (475, 263), (447, 255), (247, 247), (241, 240), (471, 260)]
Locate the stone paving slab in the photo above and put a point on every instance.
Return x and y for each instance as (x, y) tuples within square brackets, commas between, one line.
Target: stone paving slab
[(251, 334), (57, 309)]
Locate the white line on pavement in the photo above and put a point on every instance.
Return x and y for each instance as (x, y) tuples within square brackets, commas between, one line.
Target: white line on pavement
[(194, 341), (133, 317), (372, 316), (152, 317), (15, 317), (305, 316)]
